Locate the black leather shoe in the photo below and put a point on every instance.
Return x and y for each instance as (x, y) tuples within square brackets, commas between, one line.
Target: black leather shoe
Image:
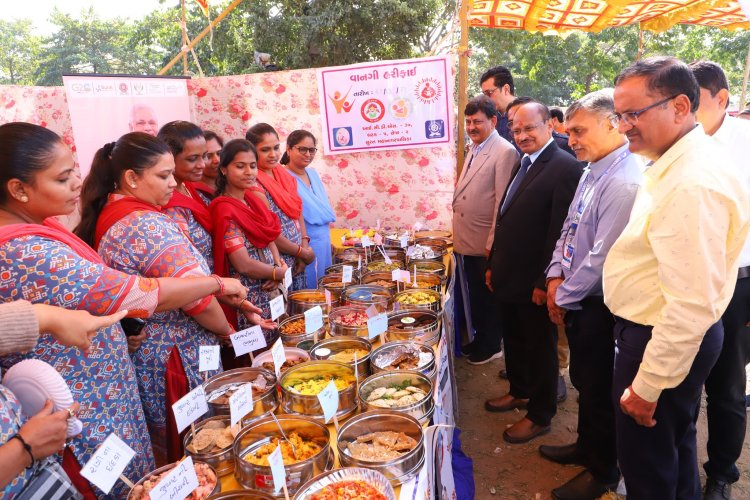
[(717, 490), (562, 390), (582, 487), (566, 454)]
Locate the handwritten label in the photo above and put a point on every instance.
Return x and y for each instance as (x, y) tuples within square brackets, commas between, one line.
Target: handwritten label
[(313, 319), (208, 358), (328, 300), (179, 483), (329, 400), (190, 407), (277, 307), (366, 241), (403, 241), (276, 462), (396, 275), (377, 324), (108, 462), (288, 277), (279, 358), (240, 403), (371, 311), (248, 340), (346, 274)]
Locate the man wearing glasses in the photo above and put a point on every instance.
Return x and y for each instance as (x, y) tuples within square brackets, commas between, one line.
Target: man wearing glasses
[(669, 277), (497, 84), (528, 225)]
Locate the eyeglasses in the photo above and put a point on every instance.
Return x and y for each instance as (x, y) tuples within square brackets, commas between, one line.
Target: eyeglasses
[(305, 151), (489, 92), (526, 130), (631, 117)]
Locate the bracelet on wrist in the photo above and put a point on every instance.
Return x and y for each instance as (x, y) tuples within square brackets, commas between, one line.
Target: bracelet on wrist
[(273, 273), (220, 282), (299, 251), (306, 238), (27, 447)]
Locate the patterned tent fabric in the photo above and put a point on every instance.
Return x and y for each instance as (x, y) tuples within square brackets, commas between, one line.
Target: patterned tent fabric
[(560, 16)]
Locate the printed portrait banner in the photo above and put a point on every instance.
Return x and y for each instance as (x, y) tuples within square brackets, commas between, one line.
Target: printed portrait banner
[(103, 108), (401, 104)]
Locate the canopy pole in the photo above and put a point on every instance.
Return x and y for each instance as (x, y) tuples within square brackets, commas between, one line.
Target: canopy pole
[(200, 36), (184, 40), (743, 95), (463, 82), (641, 42)]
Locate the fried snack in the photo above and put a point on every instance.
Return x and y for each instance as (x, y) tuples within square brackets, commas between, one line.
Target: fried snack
[(212, 437), (206, 484), (305, 448), (349, 490), (313, 385), (296, 327)]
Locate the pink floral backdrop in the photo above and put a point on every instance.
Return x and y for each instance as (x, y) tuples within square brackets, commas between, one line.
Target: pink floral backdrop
[(399, 187)]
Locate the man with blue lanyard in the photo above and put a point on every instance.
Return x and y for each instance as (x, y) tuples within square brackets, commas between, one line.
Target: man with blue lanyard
[(596, 217)]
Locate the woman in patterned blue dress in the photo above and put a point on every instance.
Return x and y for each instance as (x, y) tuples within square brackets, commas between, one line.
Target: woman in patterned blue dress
[(278, 190)]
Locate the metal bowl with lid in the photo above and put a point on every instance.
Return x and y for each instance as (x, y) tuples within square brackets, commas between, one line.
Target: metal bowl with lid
[(137, 491), (349, 320), (292, 331), (219, 387), (420, 325), (419, 298), (313, 377), (371, 477), (218, 458), (404, 355), (367, 295), (299, 301), (420, 406), (343, 349), (399, 469), (255, 437)]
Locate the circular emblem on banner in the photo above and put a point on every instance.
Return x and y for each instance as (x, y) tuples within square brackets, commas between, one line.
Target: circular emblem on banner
[(373, 110), (428, 90), (400, 107)]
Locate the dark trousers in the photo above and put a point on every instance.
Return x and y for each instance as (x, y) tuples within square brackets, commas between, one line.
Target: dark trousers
[(592, 358), (488, 332), (725, 390), (660, 462), (531, 358)]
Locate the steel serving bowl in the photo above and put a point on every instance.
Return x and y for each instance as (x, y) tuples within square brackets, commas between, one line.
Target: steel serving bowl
[(264, 402), (290, 353), (382, 358), (240, 495), (168, 467), (380, 278), (333, 283), (337, 322), (398, 470), (221, 460), (446, 243), (420, 325), (294, 403), (394, 240), (427, 251), (393, 253), (300, 301), (338, 268), (367, 295), (379, 265), (419, 298), (292, 339), (421, 410), (428, 266), (369, 476), (349, 254), (261, 432), (435, 233), (329, 348)]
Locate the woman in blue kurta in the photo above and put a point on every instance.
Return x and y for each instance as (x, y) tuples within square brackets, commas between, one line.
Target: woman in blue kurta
[(316, 209)]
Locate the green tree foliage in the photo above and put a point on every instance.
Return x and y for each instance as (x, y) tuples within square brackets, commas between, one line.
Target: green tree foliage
[(18, 47)]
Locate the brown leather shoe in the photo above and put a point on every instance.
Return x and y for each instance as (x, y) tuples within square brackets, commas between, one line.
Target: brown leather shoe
[(504, 403), (524, 431)]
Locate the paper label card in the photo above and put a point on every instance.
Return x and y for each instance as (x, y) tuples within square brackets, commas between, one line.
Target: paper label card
[(248, 340), (377, 324), (378, 239), (107, 463), (346, 274), (410, 251), (279, 358), (190, 407), (328, 301), (396, 275), (288, 277), (403, 241), (371, 311), (276, 462), (417, 226), (179, 483), (366, 241), (405, 276), (313, 319), (240, 403), (277, 307), (329, 400), (208, 358)]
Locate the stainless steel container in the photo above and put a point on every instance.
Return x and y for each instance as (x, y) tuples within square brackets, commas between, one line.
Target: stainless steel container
[(328, 349), (379, 278), (405, 299), (421, 410), (420, 325), (393, 253), (356, 268), (383, 358), (394, 240), (293, 355), (435, 233), (367, 295), (339, 317), (333, 283), (445, 243), (398, 470), (425, 280), (262, 432), (240, 495), (428, 251), (264, 402), (428, 266), (294, 324), (300, 301), (221, 460), (369, 476), (349, 254), (169, 467), (294, 403), (379, 265)]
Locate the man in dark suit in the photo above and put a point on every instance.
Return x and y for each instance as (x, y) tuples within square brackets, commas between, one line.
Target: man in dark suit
[(560, 139), (528, 225)]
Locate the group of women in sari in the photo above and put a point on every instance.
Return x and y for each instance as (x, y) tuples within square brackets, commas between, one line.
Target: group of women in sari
[(193, 235)]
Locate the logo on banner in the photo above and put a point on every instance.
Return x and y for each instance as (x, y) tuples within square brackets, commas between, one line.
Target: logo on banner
[(82, 88), (340, 103), (428, 90), (139, 89), (123, 88), (373, 110), (434, 129), (400, 108), (342, 136)]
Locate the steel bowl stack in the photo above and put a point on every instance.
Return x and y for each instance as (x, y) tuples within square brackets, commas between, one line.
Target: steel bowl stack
[(421, 410), (386, 358), (369, 476), (221, 460), (397, 470), (420, 325), (261, 432), (328, 349), (308, 405), (264, 402), (168, 467), (290, 339)]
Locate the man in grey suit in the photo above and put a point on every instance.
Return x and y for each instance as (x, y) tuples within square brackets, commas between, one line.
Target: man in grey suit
[(484, 177)]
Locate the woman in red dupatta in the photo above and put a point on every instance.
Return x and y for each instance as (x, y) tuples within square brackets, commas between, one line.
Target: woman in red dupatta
[(244, 233), (278, 190)]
